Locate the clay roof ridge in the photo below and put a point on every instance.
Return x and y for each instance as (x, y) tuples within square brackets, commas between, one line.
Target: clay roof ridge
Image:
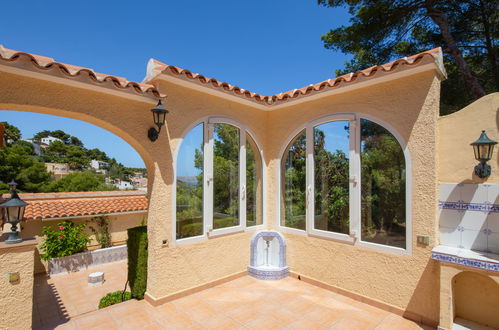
[(155, 68), (73, 71)]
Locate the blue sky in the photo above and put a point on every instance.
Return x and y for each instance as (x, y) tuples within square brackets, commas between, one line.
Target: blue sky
[(263, 46)]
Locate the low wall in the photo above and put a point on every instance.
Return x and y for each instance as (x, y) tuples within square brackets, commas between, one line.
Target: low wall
[(16, 298), (87, 259), (118, 229)]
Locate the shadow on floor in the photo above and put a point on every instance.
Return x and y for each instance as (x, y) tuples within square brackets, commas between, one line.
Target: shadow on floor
[(48, 308)]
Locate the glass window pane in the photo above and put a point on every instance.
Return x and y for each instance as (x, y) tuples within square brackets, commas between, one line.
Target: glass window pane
[(293, 175), (190, 184), (383, 186), (331, 159), (254, 188), (225, 176)]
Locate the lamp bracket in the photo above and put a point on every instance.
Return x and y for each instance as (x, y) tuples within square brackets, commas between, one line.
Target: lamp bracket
[(483, 170), (153, 134)]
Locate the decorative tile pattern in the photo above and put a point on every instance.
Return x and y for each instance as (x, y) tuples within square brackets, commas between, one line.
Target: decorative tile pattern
[(274, 274), (463, 206), (463, 261)]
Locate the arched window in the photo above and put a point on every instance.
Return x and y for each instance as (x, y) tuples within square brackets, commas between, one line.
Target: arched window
[(219, 185), (344, 177)]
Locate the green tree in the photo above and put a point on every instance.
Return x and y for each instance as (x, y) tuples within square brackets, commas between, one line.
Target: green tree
[(381, 30), (12, 133), (18, 163), (76, 157), (80, 181)]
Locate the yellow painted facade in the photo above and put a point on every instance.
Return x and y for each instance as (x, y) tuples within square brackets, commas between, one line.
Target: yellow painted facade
[(409, 103)]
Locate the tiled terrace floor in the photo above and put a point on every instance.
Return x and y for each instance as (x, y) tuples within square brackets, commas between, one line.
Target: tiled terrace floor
[(63, 296), (246, 303)]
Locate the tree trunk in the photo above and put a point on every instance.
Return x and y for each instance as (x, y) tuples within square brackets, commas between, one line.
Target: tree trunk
[(470, 80)]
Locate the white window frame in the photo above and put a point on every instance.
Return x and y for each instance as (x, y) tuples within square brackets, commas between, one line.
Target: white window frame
[(208, 144), (354, 236)]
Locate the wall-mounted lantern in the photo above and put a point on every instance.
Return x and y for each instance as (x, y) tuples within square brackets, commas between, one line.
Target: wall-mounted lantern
[(159, 114), (14, 208), (483, 148)]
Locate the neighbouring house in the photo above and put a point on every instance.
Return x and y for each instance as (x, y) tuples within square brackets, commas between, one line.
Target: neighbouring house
[(36, 147), (99, 166), (124, 209), (58, 170), (139, 183), (125, 185), (49, 139), (371, 193)]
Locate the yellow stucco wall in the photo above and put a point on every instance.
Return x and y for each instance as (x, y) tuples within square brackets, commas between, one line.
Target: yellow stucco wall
[(468, 293), (16, 299), (118, 229), (457, 131), (408, 104)]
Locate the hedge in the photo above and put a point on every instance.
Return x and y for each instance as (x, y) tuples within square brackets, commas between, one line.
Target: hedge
[(113, 298), (137, 261)]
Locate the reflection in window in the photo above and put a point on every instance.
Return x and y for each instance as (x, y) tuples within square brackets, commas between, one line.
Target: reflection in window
[(254, 187), (293, 184), (190, 185), (225, 176), (383, 178), (331, 150)]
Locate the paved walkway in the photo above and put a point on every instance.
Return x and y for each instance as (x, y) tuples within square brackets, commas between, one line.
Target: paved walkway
[(246, 303), (61, 297)]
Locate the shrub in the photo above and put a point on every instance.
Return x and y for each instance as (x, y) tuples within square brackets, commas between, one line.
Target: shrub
[(137, 261), (65, 240), (101, 233), (113, 298)]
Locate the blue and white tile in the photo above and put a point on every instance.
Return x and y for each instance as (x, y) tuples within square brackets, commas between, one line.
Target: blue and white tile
[(493, 193), (493, 243), (474, 193), (450, 237), (474, 240), (493, 222), (450, 218), (474, 220), (450, 192)]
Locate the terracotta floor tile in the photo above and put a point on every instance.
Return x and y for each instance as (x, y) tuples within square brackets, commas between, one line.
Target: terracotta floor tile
[(201, 312), (324, 316), (283, 315), (266, 322), (395, 322), (305, 324), (243, 314), (220, 322), (243, 303)]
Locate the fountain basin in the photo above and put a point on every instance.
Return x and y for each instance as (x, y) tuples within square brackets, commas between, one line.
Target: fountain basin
[(268, 256)]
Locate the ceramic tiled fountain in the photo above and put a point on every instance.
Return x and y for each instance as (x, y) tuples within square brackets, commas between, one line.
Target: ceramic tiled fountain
[(268, 256)]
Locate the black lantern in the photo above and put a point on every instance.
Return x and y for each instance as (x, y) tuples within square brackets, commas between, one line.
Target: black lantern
[(14, 208), (159, 115), (483, 149)]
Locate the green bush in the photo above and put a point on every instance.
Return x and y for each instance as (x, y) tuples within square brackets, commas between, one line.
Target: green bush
[(113, 298), (65, 240), (137, 261)]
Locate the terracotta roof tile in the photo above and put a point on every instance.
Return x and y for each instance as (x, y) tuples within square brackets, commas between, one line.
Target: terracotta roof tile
[(62, 205), (155, 68), (69, 71)]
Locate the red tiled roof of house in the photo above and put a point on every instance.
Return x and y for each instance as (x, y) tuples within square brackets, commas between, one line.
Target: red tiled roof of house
[(155, 68), (65, 205), (50, 66)]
